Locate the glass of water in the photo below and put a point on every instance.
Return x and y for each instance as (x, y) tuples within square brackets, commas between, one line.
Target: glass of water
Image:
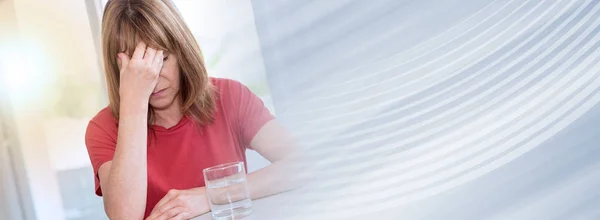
[(227, 191)]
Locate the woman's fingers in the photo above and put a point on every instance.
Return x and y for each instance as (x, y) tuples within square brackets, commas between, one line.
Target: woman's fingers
[(139, 73), (158, 61), (169, 205), (182, 216), (149, 56), (172, 213), (167, 198), (158, 208), (139, 52), (124, 59)]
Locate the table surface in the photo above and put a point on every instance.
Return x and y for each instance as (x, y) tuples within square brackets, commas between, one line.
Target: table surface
[(261, 209)]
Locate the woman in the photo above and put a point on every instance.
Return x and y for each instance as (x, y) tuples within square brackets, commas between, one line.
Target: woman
[(167, 120)]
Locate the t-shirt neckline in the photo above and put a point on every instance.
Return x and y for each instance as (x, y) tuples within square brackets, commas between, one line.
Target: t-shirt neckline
[(179, 124)]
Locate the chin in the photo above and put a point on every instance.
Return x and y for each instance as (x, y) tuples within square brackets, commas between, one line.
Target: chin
[(160, 104)]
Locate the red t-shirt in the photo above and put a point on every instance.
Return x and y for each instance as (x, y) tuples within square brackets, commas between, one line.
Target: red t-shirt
[(177, 156)]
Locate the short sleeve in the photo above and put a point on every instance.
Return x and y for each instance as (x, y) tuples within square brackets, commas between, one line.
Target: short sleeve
[(101, 148), (247, 111)]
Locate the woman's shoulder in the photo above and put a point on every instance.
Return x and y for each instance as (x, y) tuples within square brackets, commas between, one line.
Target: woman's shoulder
[(104, 120), (229, 94), (224, 85), (229, 90), (101, 132)]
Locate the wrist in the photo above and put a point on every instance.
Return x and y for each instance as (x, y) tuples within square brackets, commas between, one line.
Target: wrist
[(201, 193), (131, 107)]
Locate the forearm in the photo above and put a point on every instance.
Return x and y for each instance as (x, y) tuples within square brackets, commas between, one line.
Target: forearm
[(276, 145), (270, 180), (127, 183)]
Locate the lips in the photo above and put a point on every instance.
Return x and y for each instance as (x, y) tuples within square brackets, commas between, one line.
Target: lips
[(159, 92)]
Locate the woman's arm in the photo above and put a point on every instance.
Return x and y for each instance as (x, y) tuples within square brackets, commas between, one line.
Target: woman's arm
[(276, 145), (124, 179)]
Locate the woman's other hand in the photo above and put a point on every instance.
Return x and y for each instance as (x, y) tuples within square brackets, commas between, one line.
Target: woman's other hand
[(139, 74), (181, 204)]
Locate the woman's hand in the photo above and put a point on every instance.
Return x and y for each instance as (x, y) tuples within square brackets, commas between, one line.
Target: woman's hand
[(181, 204), (139, 74)]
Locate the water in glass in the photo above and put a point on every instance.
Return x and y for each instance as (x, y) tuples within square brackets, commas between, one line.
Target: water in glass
[(228, 192)]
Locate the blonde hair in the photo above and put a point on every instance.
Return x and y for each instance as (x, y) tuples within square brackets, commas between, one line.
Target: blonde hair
[(159, 24)]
